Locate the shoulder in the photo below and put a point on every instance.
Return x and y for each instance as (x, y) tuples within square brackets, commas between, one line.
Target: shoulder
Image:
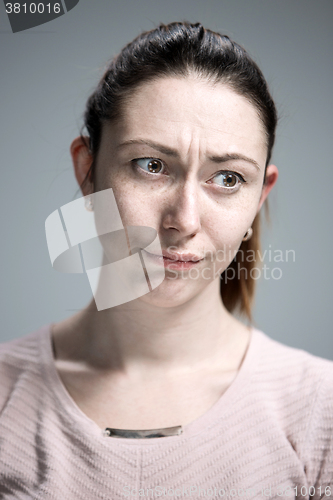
[(290, 368), (19, 364), (290, 382), (297, 389)]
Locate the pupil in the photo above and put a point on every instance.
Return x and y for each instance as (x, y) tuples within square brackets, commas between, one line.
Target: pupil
[(154, 166), (229, 181)]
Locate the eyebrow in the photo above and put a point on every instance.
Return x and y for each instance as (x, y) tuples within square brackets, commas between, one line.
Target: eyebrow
[(173, 153)]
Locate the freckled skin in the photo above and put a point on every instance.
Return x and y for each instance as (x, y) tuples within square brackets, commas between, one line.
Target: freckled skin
[(186, 204), (197, 120)]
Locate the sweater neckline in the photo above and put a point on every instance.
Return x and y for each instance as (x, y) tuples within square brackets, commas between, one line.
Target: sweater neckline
[(82, 424)]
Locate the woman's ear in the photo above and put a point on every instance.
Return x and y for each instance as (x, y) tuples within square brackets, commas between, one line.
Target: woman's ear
[(82, 161), (272, 174)]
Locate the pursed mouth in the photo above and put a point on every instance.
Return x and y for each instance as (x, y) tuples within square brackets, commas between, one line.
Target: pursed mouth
[(181, 260), (181, 257), (168, 258)]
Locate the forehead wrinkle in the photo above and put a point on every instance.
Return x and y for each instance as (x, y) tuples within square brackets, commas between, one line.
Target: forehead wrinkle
[(197, 119), (191, 143), (152, 117), (214, 129)]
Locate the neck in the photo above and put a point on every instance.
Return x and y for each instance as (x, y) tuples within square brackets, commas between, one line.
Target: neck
[(139, 337)]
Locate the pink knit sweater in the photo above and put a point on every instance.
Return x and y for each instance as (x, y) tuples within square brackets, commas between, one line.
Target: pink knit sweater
[(270, 435)]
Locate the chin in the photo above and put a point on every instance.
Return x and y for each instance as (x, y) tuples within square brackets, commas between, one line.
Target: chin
[(171, 294)]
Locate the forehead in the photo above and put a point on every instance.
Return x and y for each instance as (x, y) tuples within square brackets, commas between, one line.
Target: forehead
[(189, 110)]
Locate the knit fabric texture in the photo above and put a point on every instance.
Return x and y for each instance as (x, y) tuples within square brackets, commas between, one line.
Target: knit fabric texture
[(270, 435)]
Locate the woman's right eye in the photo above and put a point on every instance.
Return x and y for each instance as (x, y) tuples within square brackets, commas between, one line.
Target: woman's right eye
[(150, 165)]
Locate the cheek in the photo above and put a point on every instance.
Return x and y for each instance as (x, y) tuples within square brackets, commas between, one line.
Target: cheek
[(135, 207), (235, 212), (132, 204), (227, 225)]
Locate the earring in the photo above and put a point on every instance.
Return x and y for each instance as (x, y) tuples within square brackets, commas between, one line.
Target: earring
[(248, 234), (88, 203)]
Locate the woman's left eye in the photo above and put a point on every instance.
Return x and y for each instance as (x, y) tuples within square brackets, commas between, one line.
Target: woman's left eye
[(151, 165), (227, 180)]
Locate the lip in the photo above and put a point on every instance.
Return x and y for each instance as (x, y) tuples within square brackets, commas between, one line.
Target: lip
[(175, 260), (181, 257)]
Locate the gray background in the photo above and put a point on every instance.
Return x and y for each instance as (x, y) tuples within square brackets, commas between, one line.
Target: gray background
[(48, 72)]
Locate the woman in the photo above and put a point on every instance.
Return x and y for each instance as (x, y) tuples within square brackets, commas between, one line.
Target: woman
[(169, 394)]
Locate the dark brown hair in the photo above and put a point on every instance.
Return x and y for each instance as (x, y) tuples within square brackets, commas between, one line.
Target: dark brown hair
[(180, 49)]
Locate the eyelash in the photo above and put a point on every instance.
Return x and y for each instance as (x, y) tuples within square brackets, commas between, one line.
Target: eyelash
[(225, 172)]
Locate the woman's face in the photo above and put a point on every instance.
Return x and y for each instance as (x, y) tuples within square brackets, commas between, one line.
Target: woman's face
[(188, 159)]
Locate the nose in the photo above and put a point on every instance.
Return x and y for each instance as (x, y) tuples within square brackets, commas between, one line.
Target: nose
[(182, 213)]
